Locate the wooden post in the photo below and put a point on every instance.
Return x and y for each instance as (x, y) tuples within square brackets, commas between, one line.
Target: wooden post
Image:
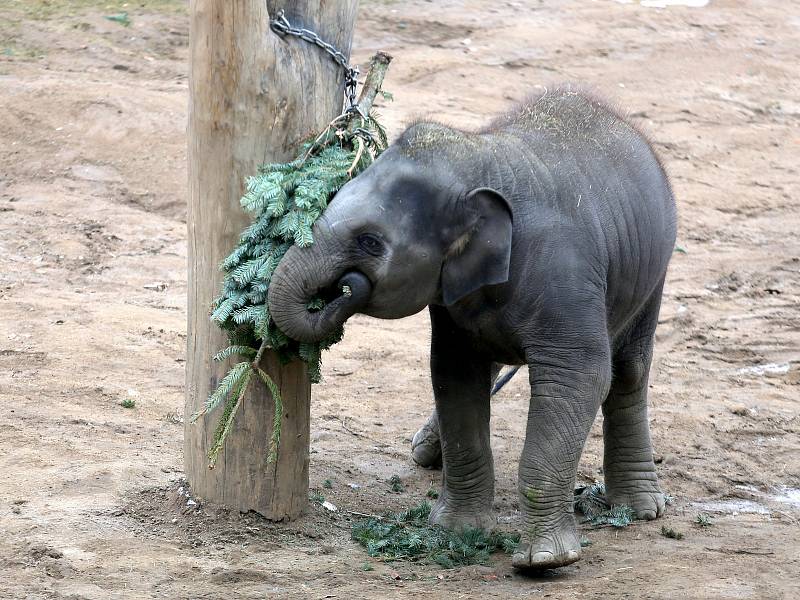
[(253, 96)]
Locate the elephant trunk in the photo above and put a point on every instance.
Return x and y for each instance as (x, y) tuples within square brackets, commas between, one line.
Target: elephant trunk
[(306, 273)]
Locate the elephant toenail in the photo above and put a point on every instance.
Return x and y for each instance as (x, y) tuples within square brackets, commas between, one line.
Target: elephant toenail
[(542, 557)]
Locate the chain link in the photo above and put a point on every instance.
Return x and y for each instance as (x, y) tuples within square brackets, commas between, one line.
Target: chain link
[(281, 26)]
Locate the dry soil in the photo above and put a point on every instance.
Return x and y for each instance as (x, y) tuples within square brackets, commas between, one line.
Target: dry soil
[(93, 288)]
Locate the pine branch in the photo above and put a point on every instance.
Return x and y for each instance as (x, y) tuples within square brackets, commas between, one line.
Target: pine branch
[(226, 386), (275, 438), (285, 200), (378, 66), (226, 423), (243, 351), (260, 354)]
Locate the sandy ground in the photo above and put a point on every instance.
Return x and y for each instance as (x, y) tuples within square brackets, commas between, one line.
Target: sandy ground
[(93, 287)]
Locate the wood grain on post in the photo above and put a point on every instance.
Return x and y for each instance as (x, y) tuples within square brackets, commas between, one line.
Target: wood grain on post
[(253, 96)]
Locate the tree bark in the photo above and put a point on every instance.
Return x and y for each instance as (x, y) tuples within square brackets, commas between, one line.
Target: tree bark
[(253, 97)]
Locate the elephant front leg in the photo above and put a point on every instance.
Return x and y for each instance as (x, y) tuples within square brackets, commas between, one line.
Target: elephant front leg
[(461, 385), (564, 402)]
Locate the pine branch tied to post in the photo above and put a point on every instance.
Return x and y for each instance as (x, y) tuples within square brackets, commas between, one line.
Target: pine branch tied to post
[(285, 200)]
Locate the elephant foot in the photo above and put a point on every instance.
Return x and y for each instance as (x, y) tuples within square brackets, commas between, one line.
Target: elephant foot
[(557, 547), (450, 517), (648, 502), (426, 447)]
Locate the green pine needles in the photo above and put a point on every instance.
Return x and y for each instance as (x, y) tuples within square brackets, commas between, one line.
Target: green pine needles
[(284, 200), (408, 536), (591, 501)]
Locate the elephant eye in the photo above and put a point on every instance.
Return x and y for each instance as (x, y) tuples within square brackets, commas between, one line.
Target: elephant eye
[(370, 244)]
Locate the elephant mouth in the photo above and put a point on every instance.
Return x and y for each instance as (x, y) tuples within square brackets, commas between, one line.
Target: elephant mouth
[(352, 287), (302, 317), (350, 294)]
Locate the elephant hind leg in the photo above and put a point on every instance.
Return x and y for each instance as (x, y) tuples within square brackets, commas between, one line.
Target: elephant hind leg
[(461, 378), (630, 473), (426, 445)]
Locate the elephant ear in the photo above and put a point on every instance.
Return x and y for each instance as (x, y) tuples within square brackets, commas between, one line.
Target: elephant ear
[(481, 254)]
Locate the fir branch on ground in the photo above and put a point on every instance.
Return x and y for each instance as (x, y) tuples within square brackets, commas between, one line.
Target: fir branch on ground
[(669, 532), (396, 484), (408, 536), (590, 500), (703, 520), (616, 516)]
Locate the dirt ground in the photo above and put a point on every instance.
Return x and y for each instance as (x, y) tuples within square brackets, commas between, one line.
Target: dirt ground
[(93, 309)]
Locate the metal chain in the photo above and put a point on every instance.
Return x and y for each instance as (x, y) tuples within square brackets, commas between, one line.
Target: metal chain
[(281, 26)]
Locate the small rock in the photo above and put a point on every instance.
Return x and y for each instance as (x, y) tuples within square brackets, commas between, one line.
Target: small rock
[(38, 552), (157, 286), (743, 411)]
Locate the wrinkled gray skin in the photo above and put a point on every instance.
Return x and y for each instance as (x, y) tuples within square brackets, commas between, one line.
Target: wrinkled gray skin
[(542, 240)]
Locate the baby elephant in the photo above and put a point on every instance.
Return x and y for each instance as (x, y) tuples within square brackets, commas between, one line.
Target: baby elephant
[(542, 239)]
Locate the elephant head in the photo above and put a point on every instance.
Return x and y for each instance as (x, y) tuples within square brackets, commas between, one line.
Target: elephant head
[(402, 235)]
